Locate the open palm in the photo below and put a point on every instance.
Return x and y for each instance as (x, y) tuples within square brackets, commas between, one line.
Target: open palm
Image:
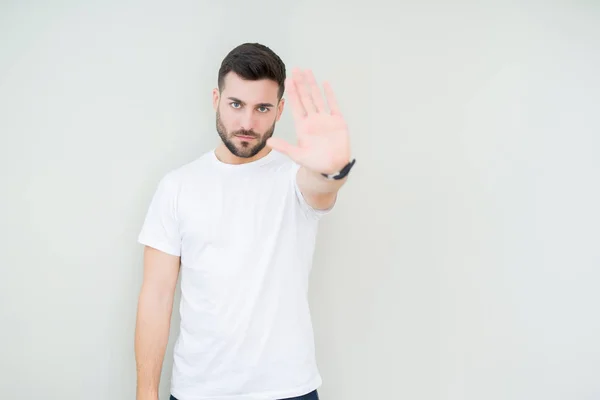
[(323, 143)]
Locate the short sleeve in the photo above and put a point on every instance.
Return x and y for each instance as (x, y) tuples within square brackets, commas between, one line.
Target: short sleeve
[(160, 229), (307, 208)]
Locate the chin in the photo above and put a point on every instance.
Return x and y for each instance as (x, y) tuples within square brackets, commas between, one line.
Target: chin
[(243, 152)]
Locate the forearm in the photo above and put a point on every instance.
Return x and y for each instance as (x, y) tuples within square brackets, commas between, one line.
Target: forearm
[(151, 338), (318, 191), (314, 184)]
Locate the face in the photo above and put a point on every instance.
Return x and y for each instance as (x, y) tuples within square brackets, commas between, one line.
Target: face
[(247, 112)]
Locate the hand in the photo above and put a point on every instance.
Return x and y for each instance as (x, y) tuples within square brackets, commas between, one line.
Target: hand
[(323, 142)]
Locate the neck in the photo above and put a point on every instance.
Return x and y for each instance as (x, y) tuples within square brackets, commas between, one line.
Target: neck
[(225, 156)]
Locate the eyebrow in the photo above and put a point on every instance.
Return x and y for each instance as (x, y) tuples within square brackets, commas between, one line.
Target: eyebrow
[(244, 103)]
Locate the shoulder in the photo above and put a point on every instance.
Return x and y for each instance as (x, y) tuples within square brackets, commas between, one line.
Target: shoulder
[(171, 183), (188, 171)]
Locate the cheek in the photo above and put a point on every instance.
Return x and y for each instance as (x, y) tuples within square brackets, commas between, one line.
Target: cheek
[(228, 118), (266, 121), (266, 125)]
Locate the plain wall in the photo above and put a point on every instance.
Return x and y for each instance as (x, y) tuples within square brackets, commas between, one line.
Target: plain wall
[(463, 258)]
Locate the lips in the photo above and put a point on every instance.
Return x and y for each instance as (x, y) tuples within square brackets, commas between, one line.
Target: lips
[(245, 137)]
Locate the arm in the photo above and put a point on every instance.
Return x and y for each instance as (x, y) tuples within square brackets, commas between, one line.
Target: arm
[(319, 192), (323, 139), (153, 322)]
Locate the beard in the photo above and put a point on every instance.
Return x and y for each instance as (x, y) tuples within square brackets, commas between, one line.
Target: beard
[(243, 149)]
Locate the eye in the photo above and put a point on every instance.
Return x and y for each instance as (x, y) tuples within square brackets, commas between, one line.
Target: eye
[(235, 104), (263, 109)]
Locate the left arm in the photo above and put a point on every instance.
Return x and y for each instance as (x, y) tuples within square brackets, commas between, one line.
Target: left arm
[(320, 193), (323, 139)]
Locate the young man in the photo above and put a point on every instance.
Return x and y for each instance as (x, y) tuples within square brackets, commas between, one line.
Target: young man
[(240, 223)]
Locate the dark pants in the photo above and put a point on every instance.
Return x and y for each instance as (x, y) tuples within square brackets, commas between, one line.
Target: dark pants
[(309, 396)]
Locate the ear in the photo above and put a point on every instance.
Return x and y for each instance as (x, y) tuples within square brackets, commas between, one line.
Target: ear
[(215, 95), (280, 107)]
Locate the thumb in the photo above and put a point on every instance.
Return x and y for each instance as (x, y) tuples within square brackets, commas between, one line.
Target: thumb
[(284, 147)]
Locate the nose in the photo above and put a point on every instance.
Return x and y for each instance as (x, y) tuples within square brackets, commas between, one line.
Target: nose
[(247, 120)]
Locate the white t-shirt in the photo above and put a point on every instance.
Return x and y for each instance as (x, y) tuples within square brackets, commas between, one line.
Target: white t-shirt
[(246, 237)]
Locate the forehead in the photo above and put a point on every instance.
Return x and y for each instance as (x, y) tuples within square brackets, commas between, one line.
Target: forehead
[(260, 91)]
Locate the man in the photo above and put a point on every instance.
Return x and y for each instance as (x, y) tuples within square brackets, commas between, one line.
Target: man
[(240, 223)]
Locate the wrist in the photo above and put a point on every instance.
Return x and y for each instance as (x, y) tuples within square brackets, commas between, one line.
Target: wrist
[(147, 394), (339, 173)]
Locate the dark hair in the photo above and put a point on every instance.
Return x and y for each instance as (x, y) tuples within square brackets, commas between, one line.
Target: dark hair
[(253, 61)]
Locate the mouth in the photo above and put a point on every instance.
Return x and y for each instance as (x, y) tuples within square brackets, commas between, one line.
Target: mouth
[(245, 137)]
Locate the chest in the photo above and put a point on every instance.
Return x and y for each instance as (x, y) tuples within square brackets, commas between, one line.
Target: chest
[(235, 211)]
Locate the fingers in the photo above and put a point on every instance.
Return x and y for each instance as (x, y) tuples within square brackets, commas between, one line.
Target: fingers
[(331, 100), (315, 92), (297, 108), (284, 147), (303, 91), (306, 96)]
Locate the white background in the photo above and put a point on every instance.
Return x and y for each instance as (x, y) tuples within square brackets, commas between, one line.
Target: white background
[(462, 261)]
